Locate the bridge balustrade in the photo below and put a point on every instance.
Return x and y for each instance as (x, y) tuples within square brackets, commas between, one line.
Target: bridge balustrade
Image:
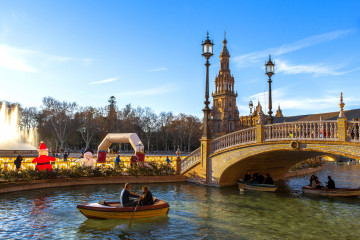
[(317, 130), (241, 137), (329, 130), (190, 160), (353, 131)]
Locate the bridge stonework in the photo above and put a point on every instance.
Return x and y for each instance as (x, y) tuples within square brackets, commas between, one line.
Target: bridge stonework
[(271, 149)]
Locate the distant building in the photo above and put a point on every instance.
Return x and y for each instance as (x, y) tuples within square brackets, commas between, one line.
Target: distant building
[(224, 116), (351, 115)]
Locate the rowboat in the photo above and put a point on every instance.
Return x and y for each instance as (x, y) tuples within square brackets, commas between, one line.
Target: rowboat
[(256, 186), (112, 210), (337, 192)]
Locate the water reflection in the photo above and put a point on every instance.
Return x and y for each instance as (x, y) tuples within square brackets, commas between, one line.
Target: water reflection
[(196, 212)]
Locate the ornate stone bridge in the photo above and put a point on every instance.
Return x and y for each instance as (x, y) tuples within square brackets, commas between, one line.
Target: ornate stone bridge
[(269, 149)]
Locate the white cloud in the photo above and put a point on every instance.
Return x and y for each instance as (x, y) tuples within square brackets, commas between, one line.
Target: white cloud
[(258, 56), (149, 92), (158, 69), (315, 69), (105, 81), (11, 59), (18, 58)]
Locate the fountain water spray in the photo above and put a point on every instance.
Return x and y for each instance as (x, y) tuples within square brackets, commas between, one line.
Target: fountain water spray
[(12, 137)]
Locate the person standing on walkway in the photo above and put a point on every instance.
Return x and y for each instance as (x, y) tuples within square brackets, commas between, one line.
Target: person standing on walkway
[(17, 162), (65, 157), (117, 161)]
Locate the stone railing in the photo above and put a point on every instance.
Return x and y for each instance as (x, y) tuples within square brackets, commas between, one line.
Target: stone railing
[(237, 138), (317, 130), (329, 130), (353, 131), (190, 160)]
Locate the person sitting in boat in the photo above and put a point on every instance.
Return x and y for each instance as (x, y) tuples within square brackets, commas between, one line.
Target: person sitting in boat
[(247, 177), (268, 179), (254, 178), (125, 195), (330, 183), (316, 183), (260, 178), (146, 198), (311, 179)]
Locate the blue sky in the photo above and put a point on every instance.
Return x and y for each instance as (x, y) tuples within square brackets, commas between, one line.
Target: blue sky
[(148, 53)]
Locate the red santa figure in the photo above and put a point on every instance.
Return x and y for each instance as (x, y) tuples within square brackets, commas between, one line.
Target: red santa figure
[(43, 161)]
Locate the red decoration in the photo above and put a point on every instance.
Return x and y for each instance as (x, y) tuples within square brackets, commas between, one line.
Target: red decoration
[(43, 161)]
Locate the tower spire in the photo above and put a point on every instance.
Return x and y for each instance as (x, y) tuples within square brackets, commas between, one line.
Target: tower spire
[(341, 105)]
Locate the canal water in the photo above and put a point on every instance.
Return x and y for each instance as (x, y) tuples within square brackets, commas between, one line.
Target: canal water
[(196, 212)]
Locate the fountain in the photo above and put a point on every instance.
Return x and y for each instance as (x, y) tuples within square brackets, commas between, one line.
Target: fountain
[(13, 139)]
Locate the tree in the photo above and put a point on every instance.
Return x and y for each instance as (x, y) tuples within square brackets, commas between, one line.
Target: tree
[(150, 125), (28, 118), (111, 118), (59, 114), (165, 121), (193, 128), (89, 122)]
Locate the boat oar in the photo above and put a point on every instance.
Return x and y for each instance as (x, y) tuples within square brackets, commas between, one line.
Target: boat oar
[(133, 215)]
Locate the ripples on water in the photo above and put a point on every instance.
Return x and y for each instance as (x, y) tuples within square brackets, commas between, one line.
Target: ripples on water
[(196, 212)]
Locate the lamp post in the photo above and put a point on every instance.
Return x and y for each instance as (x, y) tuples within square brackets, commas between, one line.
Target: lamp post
[(269, 71), (251, 107), (207, 53)]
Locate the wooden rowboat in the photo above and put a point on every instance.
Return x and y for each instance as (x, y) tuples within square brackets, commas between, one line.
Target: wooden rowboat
[(112, 210), (337, 192), (256, 186)]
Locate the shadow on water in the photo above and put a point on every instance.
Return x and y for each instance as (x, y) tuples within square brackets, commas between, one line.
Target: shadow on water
[(140, 227)]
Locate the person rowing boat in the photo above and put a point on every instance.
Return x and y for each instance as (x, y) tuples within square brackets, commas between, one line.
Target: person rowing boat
[(125, 195)]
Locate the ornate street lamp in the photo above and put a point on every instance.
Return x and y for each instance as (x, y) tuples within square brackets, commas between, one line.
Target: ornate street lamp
[(251, 105), (269, 71), (207, 53)]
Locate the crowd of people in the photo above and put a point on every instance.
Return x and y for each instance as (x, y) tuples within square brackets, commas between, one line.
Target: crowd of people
[(258, 178), (315, 182)]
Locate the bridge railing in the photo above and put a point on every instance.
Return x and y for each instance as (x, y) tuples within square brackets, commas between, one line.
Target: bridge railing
[(317, 130), (190, 160), (353, 131), (241, 137)]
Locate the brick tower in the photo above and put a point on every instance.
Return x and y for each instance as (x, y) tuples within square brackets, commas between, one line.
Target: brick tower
[(224, 112)]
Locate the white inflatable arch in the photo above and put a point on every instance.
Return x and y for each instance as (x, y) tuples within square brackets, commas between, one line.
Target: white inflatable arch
[(131, 138)]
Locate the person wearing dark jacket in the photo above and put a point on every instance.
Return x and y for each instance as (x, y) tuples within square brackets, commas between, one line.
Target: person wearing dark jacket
[(247, 177), (147, 198), (260, 178), (125, 197), (268, 179), (330, 183), (17, 162)]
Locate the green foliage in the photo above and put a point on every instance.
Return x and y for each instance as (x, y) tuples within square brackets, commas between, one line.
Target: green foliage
[(147, 169), (151, 169)]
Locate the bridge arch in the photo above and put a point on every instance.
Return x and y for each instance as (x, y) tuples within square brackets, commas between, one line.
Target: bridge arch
[(272, 148), (275, 158)]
